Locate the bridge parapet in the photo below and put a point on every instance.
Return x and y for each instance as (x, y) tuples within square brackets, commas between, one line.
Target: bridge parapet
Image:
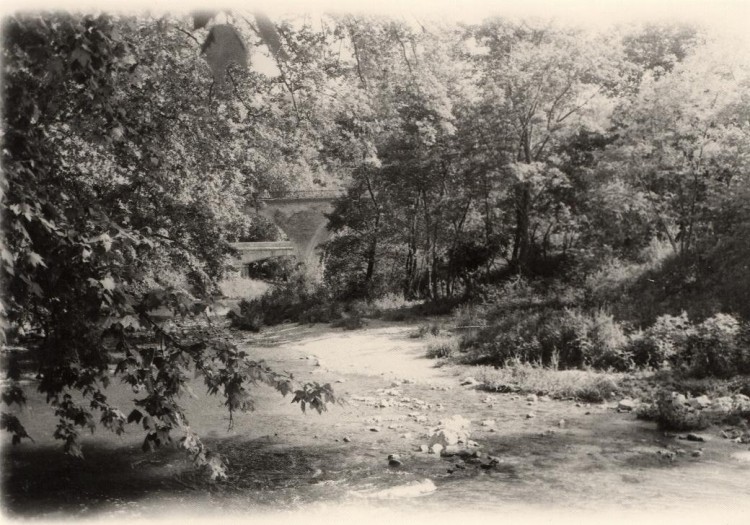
[(327, 195), (257, 251)]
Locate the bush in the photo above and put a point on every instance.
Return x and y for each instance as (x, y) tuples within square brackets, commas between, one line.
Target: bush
[(299, 300), (470, 315), (670, 413), (442, 347), (547, 336), (662, 341), (350, 322), (586, 385), (714, 348), (425, 330)]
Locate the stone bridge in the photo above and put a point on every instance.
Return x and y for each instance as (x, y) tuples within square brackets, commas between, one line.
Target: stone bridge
[(300, 215)]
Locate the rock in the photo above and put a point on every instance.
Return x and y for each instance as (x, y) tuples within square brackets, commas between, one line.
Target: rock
[(695, 437), (339, 380), (450, 450), (545, 399), (436, 448), (678, 399), (471, 443), (700, 402), (531, 398), (424, 448), (451, 431), (530, 415), (395, 384), (469, 381), (697, 453), (407, 435), (487, 400), (489, 423), (347, 439), (374, 429), (445, 437), (627, 405), (561, 423), (723, 404), (394, 460), (667, 454), (741, 402), (743, 456), (392, 427)]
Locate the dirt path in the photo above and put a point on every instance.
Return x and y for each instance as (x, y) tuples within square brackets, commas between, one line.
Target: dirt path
[(567, 457)]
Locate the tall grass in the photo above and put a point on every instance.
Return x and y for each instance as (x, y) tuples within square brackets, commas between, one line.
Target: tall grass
[(517, 376)]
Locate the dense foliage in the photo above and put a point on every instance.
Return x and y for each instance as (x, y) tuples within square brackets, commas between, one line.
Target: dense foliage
[(127, 169), (470, 154)]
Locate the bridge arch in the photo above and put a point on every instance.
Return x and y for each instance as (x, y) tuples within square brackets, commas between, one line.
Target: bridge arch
[(301, 216)]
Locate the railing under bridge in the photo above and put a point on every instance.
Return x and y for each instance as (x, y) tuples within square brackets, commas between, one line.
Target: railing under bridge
[(301, 195)]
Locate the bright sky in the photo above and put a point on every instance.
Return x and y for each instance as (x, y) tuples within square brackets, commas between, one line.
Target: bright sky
[(725, 13), (728, 17)]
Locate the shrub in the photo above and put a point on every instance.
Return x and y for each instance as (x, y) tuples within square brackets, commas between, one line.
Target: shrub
[(442, 347), (714, 348), (586, 385), (565, 339), (351, 322), (670, 413), (470, 315), (432, 329), (299, 300)]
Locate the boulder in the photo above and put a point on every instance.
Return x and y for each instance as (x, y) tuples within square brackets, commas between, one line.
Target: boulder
[(436, 448), (700, 402), (723, 404), (627, 405)]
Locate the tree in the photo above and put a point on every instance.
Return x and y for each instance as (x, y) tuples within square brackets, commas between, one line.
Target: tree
[(121, 172), (683, 146)]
